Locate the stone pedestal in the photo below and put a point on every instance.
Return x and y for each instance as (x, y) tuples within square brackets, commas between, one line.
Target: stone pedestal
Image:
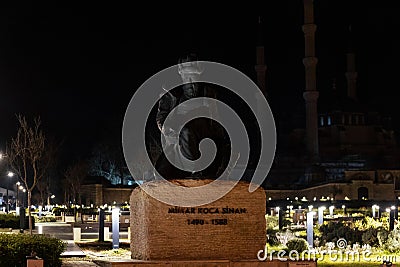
[(204, 263), (232, 227)]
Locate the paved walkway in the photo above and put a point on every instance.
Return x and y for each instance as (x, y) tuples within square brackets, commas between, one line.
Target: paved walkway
[(73, 256), (72, 250), (78, 264)]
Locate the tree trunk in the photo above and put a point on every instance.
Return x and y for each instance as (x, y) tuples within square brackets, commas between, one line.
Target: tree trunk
[(41, 198), (29, 211), (75, 213), (80, 203)]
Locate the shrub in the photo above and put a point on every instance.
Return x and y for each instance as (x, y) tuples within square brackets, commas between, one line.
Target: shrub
[(57, 211), (392, 243), (272, 222), (382, 237), (271, 237), (369, 222), (286, 223), (9, 221), (12, 221), (297, 244), (370, 237), (46, 219), (332, 231), (15, 248)]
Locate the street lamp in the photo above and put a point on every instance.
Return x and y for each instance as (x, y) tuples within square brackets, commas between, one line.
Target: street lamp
[(10, 174)]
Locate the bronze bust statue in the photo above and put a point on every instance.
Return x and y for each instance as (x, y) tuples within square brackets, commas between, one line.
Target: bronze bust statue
[(194, 131)]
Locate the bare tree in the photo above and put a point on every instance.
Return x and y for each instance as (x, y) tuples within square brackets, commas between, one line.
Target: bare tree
[(42, 187), (67, 191), (107, 161), (29, 156), (75, 176)]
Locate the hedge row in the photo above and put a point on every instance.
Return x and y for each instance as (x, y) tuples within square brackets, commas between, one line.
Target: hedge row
[(12, 221), (16, 247)]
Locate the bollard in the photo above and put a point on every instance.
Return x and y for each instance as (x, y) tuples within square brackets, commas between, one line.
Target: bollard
[(77, 234), (101, 225), (106, 233), (115, 228), (391, 220), (280, 220), (21, 219), (310, 229)]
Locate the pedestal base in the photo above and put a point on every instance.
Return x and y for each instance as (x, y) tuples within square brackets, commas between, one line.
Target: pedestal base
[(209, 263), (232, 227)]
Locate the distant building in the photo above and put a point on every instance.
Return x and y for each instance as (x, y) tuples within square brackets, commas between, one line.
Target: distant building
[(98, 191), (3, 195), (336, 147)]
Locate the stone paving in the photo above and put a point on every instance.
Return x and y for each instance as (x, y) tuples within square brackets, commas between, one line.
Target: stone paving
[(78, 263)]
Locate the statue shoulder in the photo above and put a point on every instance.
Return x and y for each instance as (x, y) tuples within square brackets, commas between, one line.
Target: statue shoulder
[(171, 97)]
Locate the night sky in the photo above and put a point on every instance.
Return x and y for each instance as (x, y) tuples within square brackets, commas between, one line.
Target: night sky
[(78, 66)]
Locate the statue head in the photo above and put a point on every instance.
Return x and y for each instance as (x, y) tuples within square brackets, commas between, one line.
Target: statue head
[(189, 68)]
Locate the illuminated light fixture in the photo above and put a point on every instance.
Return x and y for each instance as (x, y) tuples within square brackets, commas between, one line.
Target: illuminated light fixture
[(346, 198)]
